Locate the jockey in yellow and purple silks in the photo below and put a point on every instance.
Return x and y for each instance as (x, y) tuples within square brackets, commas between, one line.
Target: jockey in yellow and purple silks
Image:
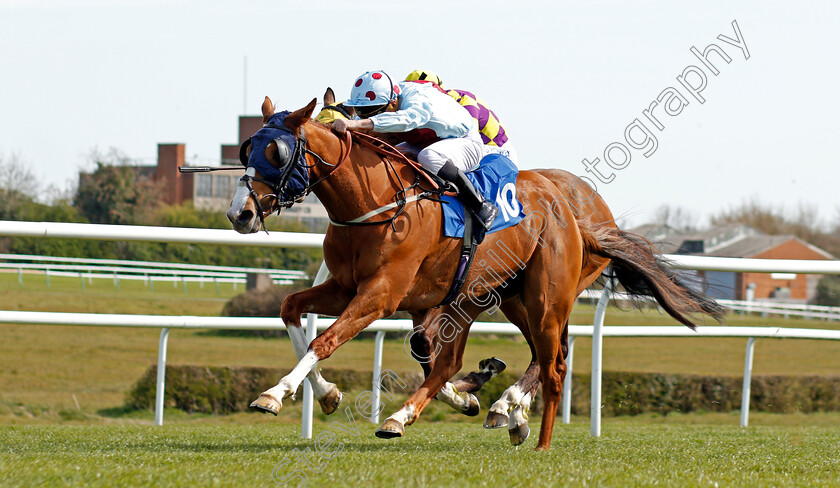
[(492, 131)]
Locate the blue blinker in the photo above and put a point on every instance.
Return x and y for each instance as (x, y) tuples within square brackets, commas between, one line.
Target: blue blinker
[(292, 177)]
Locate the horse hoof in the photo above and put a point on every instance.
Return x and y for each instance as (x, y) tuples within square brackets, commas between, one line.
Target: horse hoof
[(495, 420), (331, 400), (519, 434), (390, 429), (267, 404), (473, 408), (496, 365)]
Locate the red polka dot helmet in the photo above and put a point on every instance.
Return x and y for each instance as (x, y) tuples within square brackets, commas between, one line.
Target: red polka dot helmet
[(371, 93)]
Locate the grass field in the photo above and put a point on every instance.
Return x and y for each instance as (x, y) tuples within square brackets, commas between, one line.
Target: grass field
[(48, 368), (62, 389), (632, 452)]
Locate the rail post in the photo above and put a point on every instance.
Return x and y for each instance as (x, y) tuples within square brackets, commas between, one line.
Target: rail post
[(379, 343), (597, 360), (311, 332), (745, 391), (567, 384), (161, 376)]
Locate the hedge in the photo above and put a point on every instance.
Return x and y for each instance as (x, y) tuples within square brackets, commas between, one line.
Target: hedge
[(223, 390)]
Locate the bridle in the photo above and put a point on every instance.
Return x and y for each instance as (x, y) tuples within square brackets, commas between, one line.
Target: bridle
[(295, 159), (274, 201)]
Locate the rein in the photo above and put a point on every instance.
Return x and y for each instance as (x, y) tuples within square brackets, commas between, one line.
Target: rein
[(298, 158), (387, 152)]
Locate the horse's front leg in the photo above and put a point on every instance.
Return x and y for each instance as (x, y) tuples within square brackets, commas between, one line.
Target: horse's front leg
[(452, 332), (327, 298), (376, 298)]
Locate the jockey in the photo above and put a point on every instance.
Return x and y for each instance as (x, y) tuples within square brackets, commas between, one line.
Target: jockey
[(492, 131), (438, 129)]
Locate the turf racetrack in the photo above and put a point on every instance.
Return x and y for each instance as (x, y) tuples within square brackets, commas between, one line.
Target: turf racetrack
[(633, 452)]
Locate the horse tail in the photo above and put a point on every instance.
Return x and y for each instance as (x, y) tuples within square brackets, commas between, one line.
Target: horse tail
[(644, 272)]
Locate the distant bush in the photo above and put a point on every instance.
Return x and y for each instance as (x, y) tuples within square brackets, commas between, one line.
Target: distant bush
[(266, 302), (828, 291), (222, 390), (227, 390)]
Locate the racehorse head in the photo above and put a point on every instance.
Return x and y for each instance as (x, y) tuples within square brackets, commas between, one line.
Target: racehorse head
[(276, 169)]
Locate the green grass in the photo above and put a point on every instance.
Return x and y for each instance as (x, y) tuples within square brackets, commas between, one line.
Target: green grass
[(635, 452), (42, 368), (62, 421), (65, 294)]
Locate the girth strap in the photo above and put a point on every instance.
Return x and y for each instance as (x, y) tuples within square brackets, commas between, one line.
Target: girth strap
[(470, 244)]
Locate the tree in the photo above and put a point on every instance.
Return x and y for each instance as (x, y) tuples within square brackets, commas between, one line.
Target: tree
[(676, 217), (763, 217), (828, 291), (18, 186), (117, 193)]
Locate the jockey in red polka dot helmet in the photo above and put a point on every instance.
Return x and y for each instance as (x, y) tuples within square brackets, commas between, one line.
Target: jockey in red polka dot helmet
[(371, 93), (434, 127)]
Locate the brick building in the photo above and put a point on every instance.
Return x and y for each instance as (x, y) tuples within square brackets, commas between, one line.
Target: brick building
[(741, 241), (214, 191)]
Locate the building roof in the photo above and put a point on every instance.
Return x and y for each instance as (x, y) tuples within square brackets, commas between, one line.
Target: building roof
[(749, 246), (666, 238), (731, 240)]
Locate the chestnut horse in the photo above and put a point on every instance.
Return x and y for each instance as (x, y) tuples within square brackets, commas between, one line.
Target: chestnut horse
[(516, 399), (408, 263)]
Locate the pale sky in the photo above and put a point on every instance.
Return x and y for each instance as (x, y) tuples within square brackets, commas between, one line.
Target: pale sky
[(566, 79)]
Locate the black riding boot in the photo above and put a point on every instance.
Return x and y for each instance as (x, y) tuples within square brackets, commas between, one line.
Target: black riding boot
[(484, 211)]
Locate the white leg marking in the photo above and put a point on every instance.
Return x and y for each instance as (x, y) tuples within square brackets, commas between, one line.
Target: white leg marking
[(509, 399), (519, 415), (320, 386), (460, 401), (290, 383), (404, 415)]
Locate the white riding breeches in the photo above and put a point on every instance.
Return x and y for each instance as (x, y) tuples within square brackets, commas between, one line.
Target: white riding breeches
[(464, 152)]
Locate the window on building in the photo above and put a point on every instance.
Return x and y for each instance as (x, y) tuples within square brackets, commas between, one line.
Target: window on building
[(203, 186), (221, 186)]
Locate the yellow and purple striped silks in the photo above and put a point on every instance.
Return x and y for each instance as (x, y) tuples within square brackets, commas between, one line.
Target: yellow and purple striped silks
[(492, 131)]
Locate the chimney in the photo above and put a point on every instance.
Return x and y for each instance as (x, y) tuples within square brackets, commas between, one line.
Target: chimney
[(170, 157)]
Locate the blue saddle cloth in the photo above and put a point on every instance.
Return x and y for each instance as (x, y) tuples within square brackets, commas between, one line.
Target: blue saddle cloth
[(495, 178)]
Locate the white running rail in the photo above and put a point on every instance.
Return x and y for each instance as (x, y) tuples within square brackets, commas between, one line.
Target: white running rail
[(285, 239)]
